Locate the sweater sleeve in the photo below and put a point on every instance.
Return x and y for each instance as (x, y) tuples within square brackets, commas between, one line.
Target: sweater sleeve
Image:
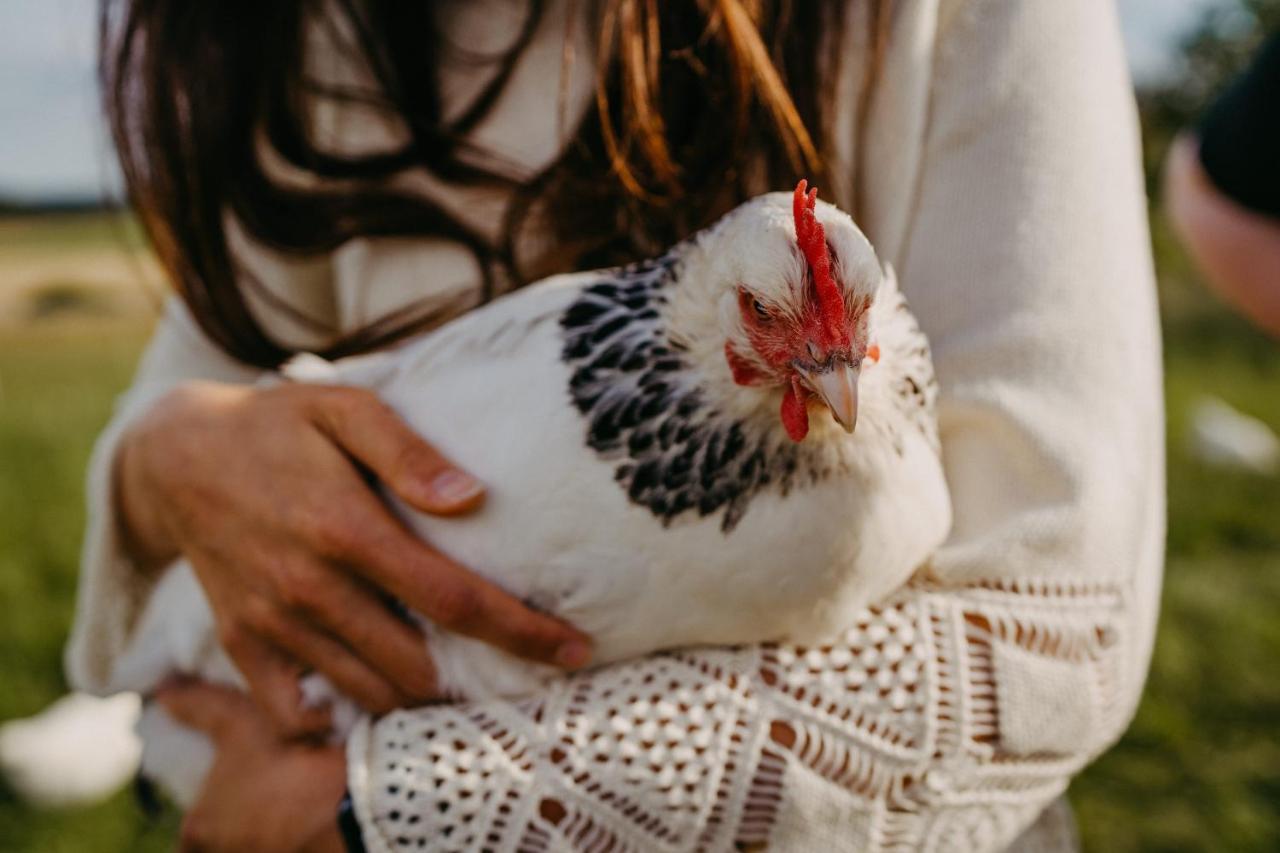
[(951, 716), (896, 736), (112, 592)]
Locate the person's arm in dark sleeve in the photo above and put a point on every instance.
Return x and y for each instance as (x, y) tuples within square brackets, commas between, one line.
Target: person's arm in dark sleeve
[(1240, 136), (1223, 191)]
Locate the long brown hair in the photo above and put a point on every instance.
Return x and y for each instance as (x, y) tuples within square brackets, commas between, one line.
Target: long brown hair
[(692, 96)]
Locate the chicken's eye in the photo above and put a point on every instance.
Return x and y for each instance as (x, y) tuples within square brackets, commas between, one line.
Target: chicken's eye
[(753, 310)]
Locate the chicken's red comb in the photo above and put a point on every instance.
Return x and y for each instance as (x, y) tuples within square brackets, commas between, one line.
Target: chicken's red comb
[(812, 240)]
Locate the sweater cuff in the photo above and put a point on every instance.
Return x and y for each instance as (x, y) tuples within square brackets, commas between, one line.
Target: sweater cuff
[(359, 789), (112, 589)]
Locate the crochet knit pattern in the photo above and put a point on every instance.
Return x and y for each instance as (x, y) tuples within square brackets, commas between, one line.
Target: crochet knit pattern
[(941, 721)]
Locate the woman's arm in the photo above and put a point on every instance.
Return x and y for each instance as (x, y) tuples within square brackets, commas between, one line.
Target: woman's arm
[(889, 735), (952, 716), (112, 589), (896, 733)]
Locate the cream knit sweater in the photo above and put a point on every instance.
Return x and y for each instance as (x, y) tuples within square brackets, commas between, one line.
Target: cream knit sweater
[(1000, 174)]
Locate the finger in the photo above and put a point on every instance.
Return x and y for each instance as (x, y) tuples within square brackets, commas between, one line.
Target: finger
[(273, 683), (458, 599), (351, 676), (375, 435), (362, 621), (209, 708)]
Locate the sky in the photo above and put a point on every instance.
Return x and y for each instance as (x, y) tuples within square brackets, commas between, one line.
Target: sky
[(52, 143)]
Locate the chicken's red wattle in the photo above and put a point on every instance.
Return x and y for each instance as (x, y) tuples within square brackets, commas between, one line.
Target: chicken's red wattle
[(795, 410)]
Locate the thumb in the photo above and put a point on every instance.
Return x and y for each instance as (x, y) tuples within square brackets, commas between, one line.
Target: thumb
[(368, 430), (205, 707)]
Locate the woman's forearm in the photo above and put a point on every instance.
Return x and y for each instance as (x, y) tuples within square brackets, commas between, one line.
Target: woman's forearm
[(955, 713)]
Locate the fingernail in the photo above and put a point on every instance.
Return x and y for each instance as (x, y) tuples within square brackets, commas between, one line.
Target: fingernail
[(454, 487), (573, 655)]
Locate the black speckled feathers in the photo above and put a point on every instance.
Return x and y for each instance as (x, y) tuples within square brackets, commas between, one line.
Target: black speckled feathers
[(646, 410)]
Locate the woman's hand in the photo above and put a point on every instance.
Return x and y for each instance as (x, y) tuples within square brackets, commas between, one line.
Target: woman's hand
[(266, 491), (262, 793)]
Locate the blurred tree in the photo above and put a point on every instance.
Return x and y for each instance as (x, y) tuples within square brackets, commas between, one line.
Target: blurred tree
[(1212, 53)]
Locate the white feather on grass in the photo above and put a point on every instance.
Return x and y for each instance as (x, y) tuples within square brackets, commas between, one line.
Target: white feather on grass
[(77, 752), (1227, 438)]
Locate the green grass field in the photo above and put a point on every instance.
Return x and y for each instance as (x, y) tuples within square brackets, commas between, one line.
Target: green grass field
[(57, 381), (1199, 769)]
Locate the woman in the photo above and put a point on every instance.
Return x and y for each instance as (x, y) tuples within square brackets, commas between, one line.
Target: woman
[(334, 180)]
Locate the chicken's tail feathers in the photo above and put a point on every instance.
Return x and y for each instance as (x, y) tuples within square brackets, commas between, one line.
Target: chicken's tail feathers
[(80, 750)]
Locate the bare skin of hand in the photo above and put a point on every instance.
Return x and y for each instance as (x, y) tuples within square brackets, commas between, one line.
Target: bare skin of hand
[(267, 492), (262, 794)]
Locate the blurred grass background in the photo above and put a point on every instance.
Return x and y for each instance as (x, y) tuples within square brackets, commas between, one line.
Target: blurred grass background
[(1198, 770)]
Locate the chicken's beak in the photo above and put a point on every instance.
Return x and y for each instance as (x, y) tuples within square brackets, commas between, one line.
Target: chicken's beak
[(837, 385)]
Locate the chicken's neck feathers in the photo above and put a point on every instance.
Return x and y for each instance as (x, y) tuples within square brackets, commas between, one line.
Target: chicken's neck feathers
[(647, 372)]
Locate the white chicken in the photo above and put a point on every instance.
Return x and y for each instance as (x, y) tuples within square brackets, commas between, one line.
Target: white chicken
[(659, 469)]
